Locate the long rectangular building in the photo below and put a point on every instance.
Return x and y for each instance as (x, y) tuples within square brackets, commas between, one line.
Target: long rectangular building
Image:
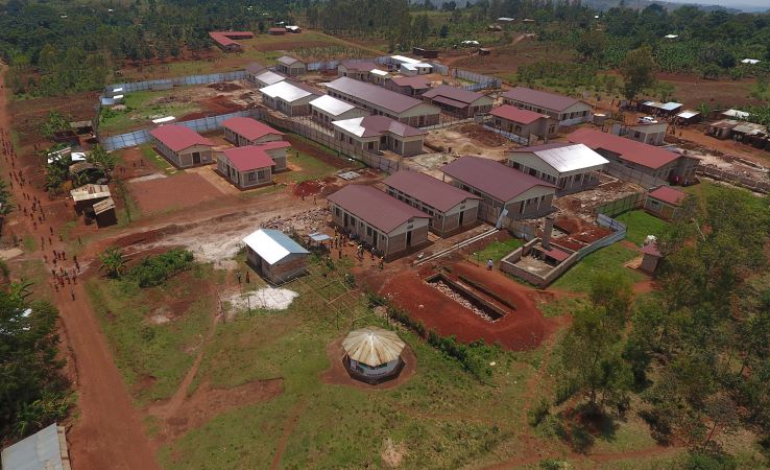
[(450, 208), (388, 225), (379, 101), (567, 111)]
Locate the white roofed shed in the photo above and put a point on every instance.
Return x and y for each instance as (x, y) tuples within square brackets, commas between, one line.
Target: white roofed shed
[(275, 255)]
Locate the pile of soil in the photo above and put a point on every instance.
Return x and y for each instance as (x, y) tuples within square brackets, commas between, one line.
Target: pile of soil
[(227, 86), (307, 188)]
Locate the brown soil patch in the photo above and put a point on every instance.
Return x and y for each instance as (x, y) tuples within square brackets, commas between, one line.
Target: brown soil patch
[(29, 115), (165, 194), (307, 188), (523, 329), (691, 90), (227, 86), (338, 375), (208, 402), (486, 137)]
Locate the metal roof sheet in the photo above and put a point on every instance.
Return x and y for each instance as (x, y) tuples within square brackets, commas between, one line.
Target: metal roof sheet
[(668, 195), (373, 346), (374, 126), (273, 245), (453, 93), (736, 114), (287, 91), (270, 78), (687, 114), (40, 451), (378, 96), (566, 157), (360, 65), (630, 150), (331, 105), (429, 190), (179, 137), (499, 181), (541, 98), (249, 157), (288, 60), (514, 114), (249, 128), (375, 207), (90, 191)]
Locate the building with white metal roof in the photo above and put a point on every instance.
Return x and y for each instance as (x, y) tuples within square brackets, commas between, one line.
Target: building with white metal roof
[(734, 113), (570, 167), (275, 255), (268, 78), (290, 98), (44, 450), (326, 109)]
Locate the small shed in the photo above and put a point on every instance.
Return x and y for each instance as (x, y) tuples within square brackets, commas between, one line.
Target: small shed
[(373, 354), (104, 213), (86, 196), (689, 116), (82, 127), (44, 450), (664, 201), (275, 255), (291, 66), (650, 258), (660, 109), (722, 129)]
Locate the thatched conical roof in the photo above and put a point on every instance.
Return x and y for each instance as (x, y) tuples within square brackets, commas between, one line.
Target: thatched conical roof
[(373, 346)]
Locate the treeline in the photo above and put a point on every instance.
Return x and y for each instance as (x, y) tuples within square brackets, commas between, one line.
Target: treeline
[(56, 48), (696, 352)]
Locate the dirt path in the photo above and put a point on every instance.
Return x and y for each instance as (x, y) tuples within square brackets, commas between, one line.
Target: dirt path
[(107, 432), (291, 422)]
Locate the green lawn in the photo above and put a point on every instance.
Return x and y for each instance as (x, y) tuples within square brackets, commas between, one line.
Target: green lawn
[(141, 107), (496, 250), (312, 168), (159, 162), (640, 224), (153, 356), (610, 259)]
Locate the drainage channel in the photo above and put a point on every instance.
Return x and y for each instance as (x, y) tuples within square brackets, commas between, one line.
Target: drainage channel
[(465, 296)]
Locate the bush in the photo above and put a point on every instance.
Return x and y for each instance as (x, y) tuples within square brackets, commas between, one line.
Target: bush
[(156, 270), (538, 413)]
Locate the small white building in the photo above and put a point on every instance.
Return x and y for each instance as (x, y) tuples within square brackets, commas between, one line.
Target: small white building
[(290, 98), (373, 354), (275, 255), (267, 78), (44, 450), (408, 66)]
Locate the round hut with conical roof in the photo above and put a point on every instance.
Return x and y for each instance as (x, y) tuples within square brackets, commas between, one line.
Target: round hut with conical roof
[(373, 354)]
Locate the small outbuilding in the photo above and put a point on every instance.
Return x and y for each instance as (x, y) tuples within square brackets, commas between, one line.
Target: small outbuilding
[(267, 78), (664, 201), (86, 196), (104, 213), (247, 131), (409, 86), (291, 66), (183, 146), (523, 125), (688, 116), (253, 70), (275, 256), (651, 134), (650, 258), (358, 69), (373, 354), (660, 109)]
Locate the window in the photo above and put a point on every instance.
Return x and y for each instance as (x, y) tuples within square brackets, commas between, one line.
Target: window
[(251, 177), (368, 231), (337, 212), (262, 174)]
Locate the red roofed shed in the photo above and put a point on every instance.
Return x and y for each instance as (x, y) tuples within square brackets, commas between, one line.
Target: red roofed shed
[(182, 146), (524, 124), (247, 131), (664, 202)]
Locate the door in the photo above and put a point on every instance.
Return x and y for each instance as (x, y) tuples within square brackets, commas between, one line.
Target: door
[(346, 220), (196, 158), (408, 239), (462, 216)]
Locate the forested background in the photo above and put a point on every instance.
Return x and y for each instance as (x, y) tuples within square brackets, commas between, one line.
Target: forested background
[(61, 47)]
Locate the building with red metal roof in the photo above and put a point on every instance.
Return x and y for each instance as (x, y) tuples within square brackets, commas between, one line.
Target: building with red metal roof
[(523, 126), (409, 86), (247, 131), (378, 100), (182, 146), (252, 166), (378, 133), (567, 111), (648, 165), (451, 209), (501, 188), (225, 40), (458, 102), (385, 224), (664, 202)]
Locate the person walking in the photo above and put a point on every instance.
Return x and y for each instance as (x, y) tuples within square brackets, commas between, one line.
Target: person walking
[(490, 264)]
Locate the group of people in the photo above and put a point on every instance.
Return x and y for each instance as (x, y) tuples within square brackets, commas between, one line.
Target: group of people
[(338, 240), (30, 206)]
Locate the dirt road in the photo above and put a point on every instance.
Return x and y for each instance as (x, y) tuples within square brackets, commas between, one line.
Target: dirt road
[(106, 432)]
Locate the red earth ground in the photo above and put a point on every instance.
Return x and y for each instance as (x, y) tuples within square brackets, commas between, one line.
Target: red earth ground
[(175, 192)]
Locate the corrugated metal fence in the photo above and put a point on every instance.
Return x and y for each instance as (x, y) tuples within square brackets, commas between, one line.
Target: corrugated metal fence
[(177, 81), (142, 136), (480, 82)]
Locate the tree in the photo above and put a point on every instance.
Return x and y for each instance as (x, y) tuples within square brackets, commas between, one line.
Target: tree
[(55, 122), (102, 159), (591, 44), (638, 71), (113, 262)]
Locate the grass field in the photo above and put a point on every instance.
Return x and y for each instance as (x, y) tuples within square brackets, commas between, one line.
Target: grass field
[(640, 224), (311, 168), (610, 259), (496, 250), (141, 106), (153, 331)]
